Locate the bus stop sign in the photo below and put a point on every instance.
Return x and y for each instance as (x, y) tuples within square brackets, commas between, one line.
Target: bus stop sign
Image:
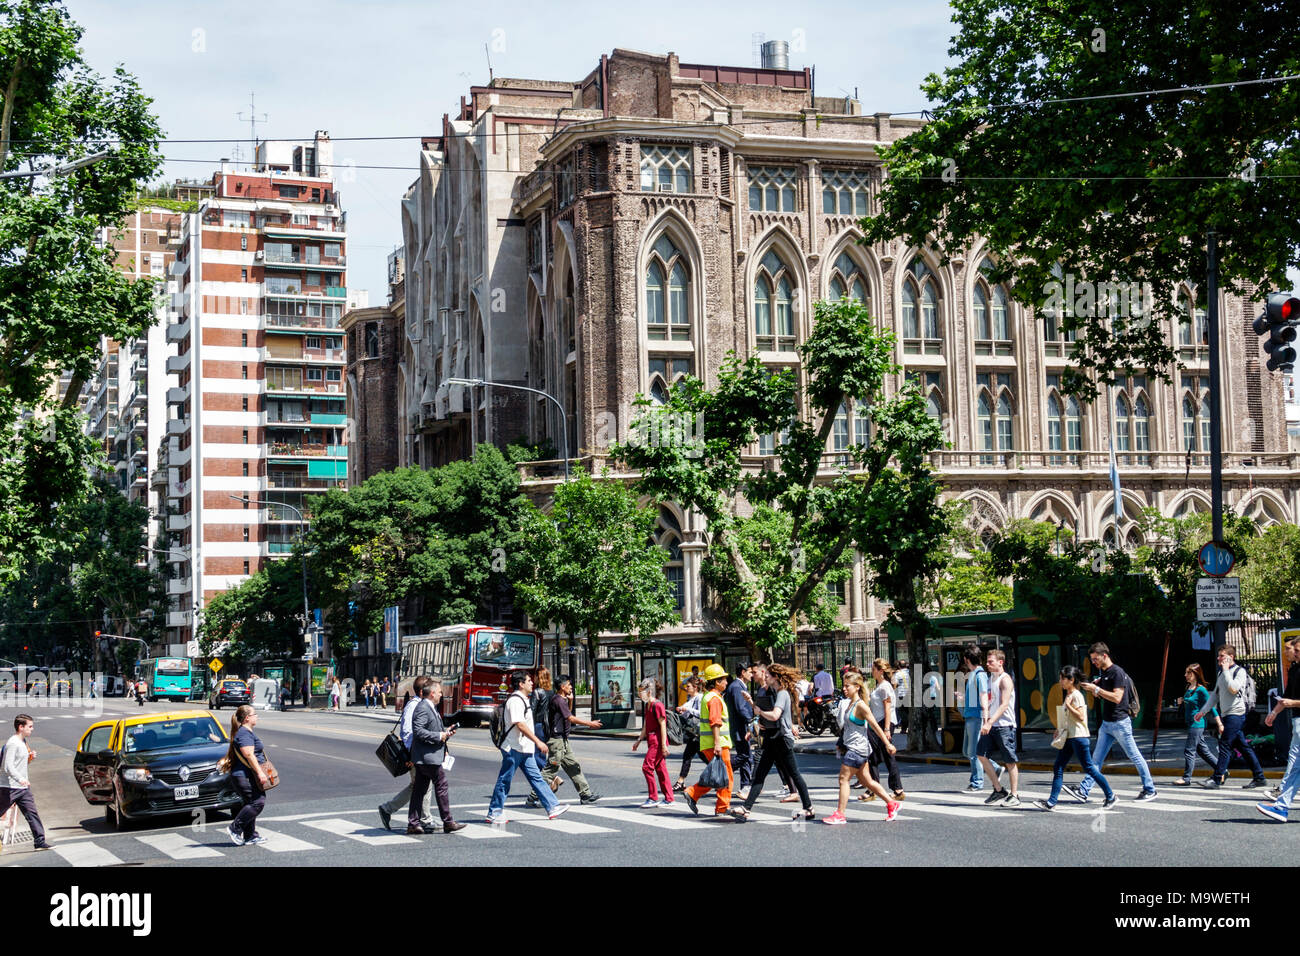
[(1216, 559)]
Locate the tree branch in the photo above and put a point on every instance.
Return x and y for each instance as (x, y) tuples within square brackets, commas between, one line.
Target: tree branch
[(7, 118)]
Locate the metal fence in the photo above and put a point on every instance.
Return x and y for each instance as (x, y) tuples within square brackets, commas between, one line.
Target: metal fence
[(1259, 649), (831, 652)]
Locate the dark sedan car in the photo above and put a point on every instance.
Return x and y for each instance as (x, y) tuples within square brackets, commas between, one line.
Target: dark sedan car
[(154, 764), (229, 692)]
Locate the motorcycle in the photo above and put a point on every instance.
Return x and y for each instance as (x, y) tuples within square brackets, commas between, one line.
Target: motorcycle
[(822, 714)]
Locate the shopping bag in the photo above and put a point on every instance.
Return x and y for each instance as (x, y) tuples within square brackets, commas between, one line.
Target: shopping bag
[(714, 776)]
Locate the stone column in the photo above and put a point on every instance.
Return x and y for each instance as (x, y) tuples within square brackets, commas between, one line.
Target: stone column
[(692, 554), (857, 590)]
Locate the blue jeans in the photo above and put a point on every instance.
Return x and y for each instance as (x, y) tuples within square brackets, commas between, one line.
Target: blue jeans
[(512, 760), (1196, 745), (968, 746), (1232, 734), (1076, 748), (1121, 732), (1291, 782)]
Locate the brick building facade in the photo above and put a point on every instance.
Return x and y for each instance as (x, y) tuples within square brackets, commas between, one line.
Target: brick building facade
[(598, 240)]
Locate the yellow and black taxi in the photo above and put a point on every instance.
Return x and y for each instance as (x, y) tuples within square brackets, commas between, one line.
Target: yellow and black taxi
[(154, 764), (229, 691)]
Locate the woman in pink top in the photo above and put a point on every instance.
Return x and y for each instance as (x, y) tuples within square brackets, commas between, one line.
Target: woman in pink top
[(654, 731)]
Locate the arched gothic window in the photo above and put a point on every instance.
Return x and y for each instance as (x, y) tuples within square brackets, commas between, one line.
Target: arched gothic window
[(1064, 423), (773, 306), (847, 279), (667, 293), (668, 535), (992, 316), (995, 409), (921, 303)]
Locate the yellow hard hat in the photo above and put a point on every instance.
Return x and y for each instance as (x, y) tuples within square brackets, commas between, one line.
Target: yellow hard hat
[(713, 672)]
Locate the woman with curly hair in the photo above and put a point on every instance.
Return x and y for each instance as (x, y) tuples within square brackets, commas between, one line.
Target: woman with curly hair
[(777, 730)]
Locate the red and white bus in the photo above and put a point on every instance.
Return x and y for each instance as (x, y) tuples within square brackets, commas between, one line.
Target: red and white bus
[(472, 661)]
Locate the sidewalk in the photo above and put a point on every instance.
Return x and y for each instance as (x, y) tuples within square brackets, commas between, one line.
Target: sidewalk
[(1037, 753)]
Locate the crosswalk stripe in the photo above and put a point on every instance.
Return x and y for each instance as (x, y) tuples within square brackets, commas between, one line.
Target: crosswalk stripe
[(283, 843), (86, 854), (644, 818), (561, 825), (178, 847), (483, 831), (358, 831)]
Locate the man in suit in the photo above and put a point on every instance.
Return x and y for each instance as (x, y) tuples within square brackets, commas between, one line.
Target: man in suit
[(428, 751)]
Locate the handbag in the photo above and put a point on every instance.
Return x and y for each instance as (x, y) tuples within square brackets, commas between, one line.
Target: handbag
[(392, 752), (1062, 728), (714, 776), (268, 768)]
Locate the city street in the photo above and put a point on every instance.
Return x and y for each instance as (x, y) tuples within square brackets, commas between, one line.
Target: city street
[(323, 814)]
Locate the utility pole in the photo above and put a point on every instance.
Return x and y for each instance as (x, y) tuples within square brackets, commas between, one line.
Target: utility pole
[(1216, 418)]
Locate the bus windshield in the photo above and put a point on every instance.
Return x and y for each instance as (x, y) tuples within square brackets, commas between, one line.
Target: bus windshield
[(173, 665), (505, 649)]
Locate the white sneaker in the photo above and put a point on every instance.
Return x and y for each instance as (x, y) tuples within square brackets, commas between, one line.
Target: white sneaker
[(562, 808), (648, 805), (235, 838), (785, 792), (665, 804), (255, 839)]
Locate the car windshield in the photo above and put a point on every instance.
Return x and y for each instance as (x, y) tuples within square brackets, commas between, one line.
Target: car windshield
[(233, 685), (172, 734)]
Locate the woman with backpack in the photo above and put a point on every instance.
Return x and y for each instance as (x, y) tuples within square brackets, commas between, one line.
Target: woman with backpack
[(1193, 699), (654, 731), (1073, 725), (777, 731), (690, 714)]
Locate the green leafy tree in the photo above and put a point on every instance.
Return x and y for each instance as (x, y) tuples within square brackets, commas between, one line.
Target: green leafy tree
[(99, 581), (262, 617), (1112, 189), (60, 292), (887, 505), (591, 566), (1270, 584), (1172, 561)]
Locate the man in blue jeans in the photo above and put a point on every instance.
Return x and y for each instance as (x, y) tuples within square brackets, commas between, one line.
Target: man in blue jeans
[(517, 752), (1228, 697), (1113, 687), (1291, 782), (975, 711)]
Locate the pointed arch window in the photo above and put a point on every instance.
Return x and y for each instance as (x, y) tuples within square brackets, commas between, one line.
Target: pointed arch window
[(664, 374), (995, 410), (1193, 325), (773, 306), (667, 295), (992, 315), (847, 280), (840, 435), (1133, 419), (1195, 409), (668, 535), (1122, 442), (921, 311)]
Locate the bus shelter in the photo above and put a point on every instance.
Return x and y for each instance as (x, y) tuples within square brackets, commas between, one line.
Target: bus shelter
[(622, 666)]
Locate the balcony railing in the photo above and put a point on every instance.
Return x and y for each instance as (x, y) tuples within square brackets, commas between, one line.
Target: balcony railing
[(306, 450), (300, 480), (302, 322)]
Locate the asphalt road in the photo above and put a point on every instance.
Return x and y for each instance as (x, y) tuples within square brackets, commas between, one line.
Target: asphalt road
[(323, 814)]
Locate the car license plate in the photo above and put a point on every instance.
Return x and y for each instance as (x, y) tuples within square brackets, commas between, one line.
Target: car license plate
[(186, 793)]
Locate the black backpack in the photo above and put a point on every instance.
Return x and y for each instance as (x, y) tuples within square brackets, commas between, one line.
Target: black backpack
[(498, 728)]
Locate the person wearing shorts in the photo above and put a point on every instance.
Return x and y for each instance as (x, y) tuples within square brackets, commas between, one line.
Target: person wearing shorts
[(997, 742), (856, 718)]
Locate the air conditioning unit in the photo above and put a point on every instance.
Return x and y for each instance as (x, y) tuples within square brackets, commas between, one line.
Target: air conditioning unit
[(329, 208), (259, 255), (665, 187), (331, 388)]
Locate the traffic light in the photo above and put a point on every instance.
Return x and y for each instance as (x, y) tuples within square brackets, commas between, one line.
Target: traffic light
[(1281, 311)]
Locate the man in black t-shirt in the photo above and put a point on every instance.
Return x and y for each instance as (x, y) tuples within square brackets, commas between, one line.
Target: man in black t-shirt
[(1289, 704), (559, 753), (1115, 689)]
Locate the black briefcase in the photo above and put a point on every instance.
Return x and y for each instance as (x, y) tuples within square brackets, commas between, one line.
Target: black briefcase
[(392, 753)]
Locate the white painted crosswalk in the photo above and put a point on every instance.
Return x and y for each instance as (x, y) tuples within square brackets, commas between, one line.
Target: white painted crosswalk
[(620, 817)]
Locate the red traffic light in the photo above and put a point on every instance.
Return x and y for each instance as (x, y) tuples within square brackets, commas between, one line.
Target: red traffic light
[(98, 633), (1282, 307)]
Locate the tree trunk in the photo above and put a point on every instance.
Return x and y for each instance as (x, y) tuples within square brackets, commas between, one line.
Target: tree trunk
[(6, 119)]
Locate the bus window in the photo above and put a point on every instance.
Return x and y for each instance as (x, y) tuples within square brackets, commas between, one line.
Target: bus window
[(505, 649)]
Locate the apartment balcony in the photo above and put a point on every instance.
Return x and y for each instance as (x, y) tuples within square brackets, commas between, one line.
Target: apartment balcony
[(325, 357), (178, 332), (178, 586), (177, 363), (178, 395), (285, 226), (298, 263), (139, 346), (281, 449), (178, 426), (179, 299), (140, 454), (179, 266), (336, 292), (315, 389), (300, 323), (178, 619), (140, 478), (178, 522), (279, 547), (158, 479), (300, 481)]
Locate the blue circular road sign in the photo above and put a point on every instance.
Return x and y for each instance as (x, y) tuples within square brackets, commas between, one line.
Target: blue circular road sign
[(1216, 559)]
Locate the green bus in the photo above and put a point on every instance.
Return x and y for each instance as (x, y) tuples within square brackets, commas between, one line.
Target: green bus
[(169, 677)]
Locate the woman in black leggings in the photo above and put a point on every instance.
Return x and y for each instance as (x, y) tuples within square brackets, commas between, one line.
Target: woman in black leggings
[(691, 742), (778, 741)]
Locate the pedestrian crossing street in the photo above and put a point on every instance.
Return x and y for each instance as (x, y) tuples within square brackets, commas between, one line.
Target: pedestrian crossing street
[(314, 832)]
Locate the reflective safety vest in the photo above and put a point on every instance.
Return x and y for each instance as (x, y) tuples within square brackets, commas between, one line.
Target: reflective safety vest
[(706, 731)]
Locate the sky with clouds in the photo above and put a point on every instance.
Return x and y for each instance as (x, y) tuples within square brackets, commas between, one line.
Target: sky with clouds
[(394, 67)]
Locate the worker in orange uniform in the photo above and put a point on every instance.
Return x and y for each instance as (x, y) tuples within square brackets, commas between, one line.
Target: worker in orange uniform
[(714, 738)]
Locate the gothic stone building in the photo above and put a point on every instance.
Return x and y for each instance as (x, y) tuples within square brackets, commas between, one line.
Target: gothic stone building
[(599, 239)]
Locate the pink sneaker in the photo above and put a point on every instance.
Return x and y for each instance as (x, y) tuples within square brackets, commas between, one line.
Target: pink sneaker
[(836, 819), (891, 810)]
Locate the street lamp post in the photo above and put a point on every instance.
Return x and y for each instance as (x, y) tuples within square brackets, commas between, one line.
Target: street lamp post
[(472, 382), (306, 612)]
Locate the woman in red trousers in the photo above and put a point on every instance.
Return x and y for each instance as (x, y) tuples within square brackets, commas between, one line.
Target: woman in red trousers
[(654, 731)]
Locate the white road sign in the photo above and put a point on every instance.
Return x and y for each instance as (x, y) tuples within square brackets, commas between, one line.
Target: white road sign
[(1218, 599)]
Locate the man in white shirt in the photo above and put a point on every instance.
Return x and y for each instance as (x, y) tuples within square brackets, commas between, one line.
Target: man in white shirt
[(823, 683), (517, 753), (15, 788), (402, 798), (1227, 696)]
